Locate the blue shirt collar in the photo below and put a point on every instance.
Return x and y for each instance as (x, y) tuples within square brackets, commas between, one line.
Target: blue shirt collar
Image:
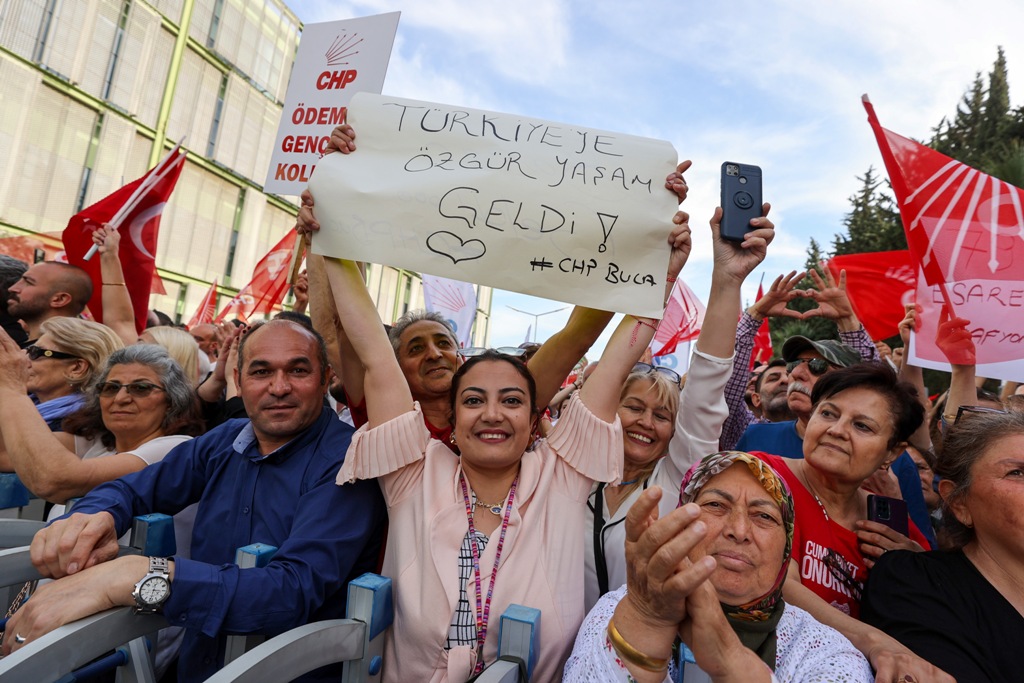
[(246, 444)]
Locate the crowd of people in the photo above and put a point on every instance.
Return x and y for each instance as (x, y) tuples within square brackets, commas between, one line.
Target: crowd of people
[(814, 518)]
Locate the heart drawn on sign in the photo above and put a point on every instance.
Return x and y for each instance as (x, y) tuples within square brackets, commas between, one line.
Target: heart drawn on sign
[(454, 247)]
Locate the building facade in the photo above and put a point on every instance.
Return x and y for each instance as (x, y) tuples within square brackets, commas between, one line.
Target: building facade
[(94, 92)]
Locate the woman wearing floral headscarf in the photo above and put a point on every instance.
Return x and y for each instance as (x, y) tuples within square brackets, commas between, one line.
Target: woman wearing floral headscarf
[(710, 575)]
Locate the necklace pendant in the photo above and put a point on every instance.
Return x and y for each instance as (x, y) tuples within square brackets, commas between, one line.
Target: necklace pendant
[(495, 510)]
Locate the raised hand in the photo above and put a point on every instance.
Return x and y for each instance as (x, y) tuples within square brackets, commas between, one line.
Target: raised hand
[(676, 183), (773, 303), (833, 303), (739, 260), (955, 340)]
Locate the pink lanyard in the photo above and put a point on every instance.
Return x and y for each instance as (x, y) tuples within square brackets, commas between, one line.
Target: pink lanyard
[(483, 607)]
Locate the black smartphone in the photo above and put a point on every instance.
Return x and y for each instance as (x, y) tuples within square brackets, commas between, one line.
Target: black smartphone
[(741, 199), (892, 512)]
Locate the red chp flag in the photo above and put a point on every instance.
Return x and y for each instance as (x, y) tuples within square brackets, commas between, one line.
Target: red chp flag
[(879, 285), (268, 286), (762, 351), (684, 316), (961, 224), (137, 207), (207, 308)]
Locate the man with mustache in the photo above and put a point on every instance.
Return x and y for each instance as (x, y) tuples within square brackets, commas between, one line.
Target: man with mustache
[(833, 304)]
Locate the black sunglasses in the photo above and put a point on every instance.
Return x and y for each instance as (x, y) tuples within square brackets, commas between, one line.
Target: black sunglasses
[(503, 350), (837, 567), (135, 389), (647, 369), (977, 410), (817, 366), (36, 352)]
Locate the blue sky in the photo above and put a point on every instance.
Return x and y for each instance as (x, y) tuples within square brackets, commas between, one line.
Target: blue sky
[(775, 83)]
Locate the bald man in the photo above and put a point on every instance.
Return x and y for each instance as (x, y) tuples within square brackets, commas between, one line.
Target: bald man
[(48, 290)]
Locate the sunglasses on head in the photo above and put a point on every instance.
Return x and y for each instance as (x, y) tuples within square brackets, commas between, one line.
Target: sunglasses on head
[(134, 389), (817, 366), (503, 350), (977, 410), (647, 369), (36, 352)]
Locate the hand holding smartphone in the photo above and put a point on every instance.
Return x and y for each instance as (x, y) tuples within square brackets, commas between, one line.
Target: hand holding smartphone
[(741, 199), (892, 512)]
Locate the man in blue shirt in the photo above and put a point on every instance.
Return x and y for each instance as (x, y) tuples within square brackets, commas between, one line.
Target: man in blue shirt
[(268, 479)]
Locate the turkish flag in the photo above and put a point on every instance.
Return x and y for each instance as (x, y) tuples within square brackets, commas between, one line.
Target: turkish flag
[(269, 283), (683, 318), (138, 206), (879, 285), (762, 351), (961, 224), (207, 308)]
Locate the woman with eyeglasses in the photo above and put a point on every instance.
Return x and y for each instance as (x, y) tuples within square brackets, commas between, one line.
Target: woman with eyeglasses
[(502, 523), (963, 608), (658, 420), (140, 406), (63, 361)]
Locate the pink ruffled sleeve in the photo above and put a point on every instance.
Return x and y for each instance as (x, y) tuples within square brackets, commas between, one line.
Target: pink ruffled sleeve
[(386, 448), (587, 443)]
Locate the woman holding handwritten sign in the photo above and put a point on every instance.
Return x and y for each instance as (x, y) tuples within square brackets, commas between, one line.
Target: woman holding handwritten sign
[(500, 525)]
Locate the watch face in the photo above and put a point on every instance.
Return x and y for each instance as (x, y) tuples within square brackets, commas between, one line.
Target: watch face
[(154, 590)]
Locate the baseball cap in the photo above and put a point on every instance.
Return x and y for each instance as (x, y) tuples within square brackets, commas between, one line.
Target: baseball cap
[(831, 350)]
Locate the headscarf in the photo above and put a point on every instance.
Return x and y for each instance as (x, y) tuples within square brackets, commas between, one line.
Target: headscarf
[(756, 621)]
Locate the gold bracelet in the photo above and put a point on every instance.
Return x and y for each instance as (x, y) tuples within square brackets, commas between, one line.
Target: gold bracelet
[(114, 284), (632, 655)]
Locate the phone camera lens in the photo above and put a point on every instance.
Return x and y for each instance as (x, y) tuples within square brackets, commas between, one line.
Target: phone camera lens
[(732, 169)]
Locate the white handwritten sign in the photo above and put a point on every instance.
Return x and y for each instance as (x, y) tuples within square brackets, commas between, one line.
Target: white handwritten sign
[(335, 60), (996, 311), (556, 211)]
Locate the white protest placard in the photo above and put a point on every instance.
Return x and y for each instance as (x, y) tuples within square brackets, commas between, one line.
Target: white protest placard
[(548, 209), (335, 60), (996, 311)]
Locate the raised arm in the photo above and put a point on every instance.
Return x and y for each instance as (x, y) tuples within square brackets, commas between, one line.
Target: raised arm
[(387, 392), (703, 407), (913, 374), (118, 314), (44, 460)]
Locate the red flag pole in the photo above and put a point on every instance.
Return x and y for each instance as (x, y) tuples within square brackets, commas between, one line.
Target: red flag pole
[(896, 178), (154, 177)]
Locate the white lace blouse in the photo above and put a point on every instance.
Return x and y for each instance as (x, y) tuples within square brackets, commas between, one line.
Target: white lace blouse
[(807, 652)]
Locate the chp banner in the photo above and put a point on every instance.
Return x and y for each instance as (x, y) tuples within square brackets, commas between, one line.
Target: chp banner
[(965, 230), (207, 308), (135, 209), (453, 299), (268, 286), (335, 60), (547, 209), (879, 284), (684, 316)]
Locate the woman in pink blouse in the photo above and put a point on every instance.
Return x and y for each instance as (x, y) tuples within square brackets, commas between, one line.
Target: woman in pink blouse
[(502, 523)]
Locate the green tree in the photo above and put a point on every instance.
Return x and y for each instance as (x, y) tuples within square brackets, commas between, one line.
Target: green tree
[(873, 223)]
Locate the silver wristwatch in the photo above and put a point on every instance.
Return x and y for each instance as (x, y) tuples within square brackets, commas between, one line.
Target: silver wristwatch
[(153, 589)]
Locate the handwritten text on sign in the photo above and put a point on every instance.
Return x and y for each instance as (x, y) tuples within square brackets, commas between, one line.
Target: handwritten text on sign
[(996, 311), (531, 206)]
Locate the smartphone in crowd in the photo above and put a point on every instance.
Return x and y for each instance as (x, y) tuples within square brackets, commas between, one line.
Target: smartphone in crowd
[(741, 199), (892, 512)]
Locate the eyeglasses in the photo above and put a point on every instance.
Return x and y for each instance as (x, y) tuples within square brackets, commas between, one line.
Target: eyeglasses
[(36, 352), (647, 369), (135, 389), (836, 564), (975, 410), (817, 366), (503, 350)]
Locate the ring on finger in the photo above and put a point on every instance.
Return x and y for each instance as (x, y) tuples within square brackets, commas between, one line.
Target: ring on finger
[(19, 639)]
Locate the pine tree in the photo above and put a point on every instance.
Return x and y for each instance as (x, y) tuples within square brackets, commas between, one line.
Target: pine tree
[(873, 223)]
